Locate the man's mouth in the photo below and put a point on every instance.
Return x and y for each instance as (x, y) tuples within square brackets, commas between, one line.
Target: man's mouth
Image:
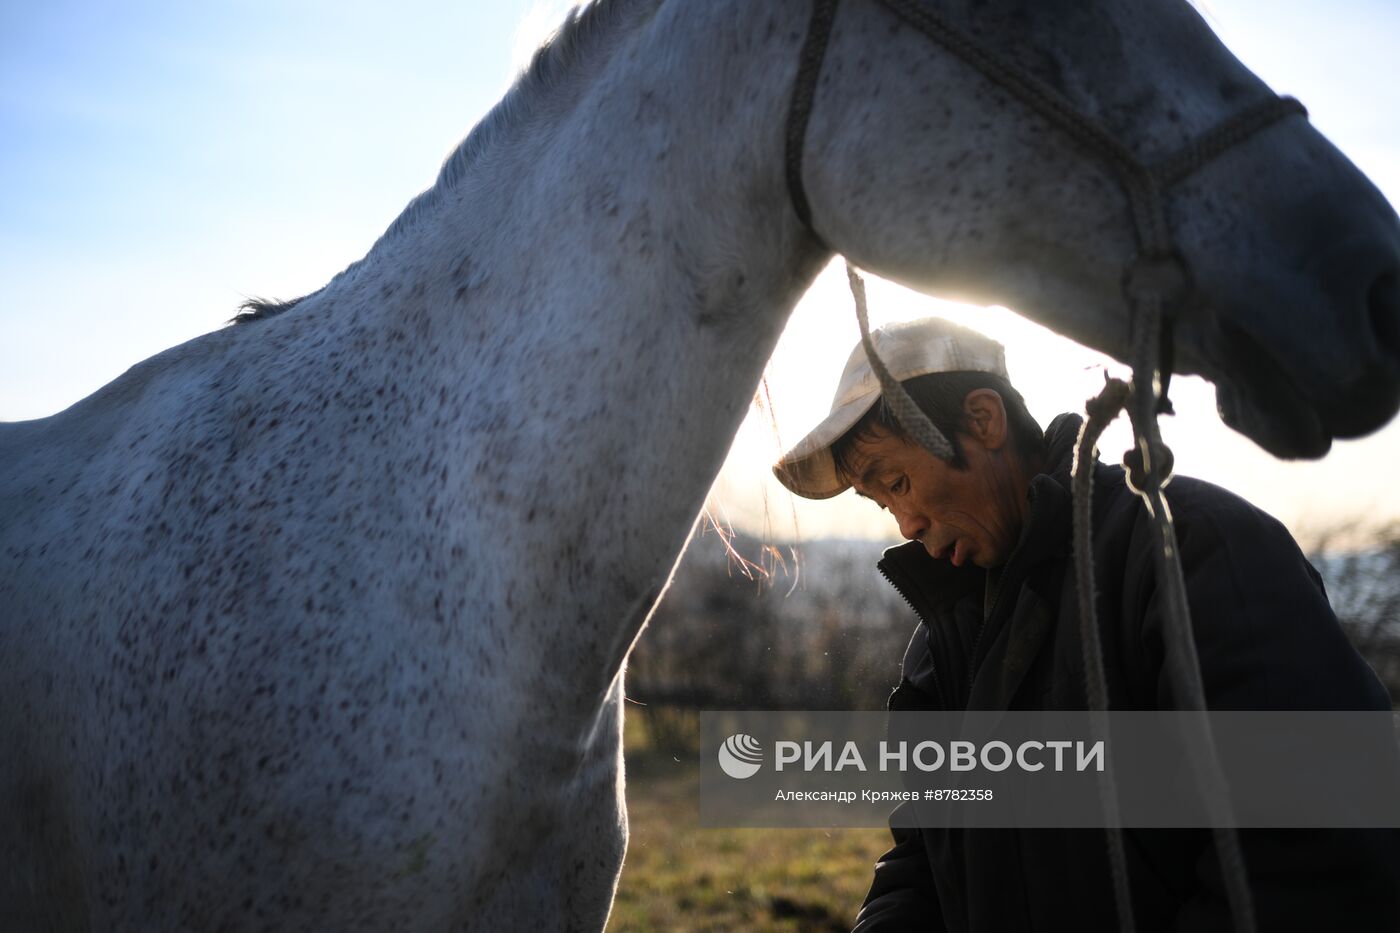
[(954, 551)]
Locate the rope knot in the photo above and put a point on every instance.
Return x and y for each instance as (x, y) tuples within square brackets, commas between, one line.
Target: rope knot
[(1104, 407), (1158, 279), (1149, 471)]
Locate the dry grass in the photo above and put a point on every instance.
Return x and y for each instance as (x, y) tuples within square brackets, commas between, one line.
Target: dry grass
[(679, 876)]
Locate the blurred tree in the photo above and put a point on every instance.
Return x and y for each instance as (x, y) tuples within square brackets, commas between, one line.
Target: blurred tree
[(1363, 585), (822, 630)]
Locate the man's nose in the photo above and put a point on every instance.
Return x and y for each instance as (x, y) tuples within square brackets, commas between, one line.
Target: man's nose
[(912, 525)]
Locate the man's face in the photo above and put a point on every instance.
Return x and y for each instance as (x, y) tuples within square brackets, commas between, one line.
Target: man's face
[(974, 514)]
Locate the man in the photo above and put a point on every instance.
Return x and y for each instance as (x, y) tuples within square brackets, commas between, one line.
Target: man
[(989, 572)]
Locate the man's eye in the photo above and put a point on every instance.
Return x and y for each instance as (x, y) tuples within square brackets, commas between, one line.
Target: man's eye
[(900, 486)]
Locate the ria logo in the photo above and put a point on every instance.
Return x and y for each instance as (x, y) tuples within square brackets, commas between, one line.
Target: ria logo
[(740, 756)]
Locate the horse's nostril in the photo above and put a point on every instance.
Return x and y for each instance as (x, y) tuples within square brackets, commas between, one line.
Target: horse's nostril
[(1383, 304)]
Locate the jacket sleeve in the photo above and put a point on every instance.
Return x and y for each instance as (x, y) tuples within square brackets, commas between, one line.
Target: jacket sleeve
[(1268, 640), (902, 896)]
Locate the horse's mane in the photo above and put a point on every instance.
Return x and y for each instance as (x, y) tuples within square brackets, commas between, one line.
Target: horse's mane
[(576, 42)]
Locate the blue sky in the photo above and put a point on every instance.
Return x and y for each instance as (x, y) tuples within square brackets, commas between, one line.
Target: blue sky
[(161, 161)]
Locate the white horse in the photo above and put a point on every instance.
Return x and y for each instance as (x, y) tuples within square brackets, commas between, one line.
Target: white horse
[(317, 621)]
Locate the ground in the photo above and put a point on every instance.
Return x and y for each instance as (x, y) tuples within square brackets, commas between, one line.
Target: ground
[(681, 877)]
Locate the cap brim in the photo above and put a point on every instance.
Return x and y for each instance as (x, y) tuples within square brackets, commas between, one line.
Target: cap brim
[(808, 469), (909, 350)]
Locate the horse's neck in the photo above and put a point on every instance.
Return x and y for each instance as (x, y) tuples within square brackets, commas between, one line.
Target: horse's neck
[(590, 310)]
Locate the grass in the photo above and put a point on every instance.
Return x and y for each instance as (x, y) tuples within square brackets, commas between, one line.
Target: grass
[(679, 876)]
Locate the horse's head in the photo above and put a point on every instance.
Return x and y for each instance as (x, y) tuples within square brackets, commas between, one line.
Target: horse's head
[(926, 166)]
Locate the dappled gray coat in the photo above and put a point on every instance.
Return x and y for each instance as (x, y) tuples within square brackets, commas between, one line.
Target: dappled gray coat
[(1267, 639)]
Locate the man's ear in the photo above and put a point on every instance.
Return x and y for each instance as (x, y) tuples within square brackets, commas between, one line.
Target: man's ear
[(986, 417)]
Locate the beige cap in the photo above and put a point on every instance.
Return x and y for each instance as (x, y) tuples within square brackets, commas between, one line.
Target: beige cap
[(914, 348)]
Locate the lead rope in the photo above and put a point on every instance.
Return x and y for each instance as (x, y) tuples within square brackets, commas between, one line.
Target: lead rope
[(1101, 411), (1149, 467), (1147, 463), (1155, 286)]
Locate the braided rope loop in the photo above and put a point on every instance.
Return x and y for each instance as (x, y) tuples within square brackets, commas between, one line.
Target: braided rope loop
[(910, 416), (804, 91)]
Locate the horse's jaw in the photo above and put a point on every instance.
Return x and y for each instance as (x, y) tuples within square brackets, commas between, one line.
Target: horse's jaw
[(1306, 351), (1266, 405), (1278, 419)]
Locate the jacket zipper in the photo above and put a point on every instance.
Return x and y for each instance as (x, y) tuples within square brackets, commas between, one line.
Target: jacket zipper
[(987, 612), (918, 613)]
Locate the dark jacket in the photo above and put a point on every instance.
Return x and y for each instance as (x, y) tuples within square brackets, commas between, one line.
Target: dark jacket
[(1267, 639)]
